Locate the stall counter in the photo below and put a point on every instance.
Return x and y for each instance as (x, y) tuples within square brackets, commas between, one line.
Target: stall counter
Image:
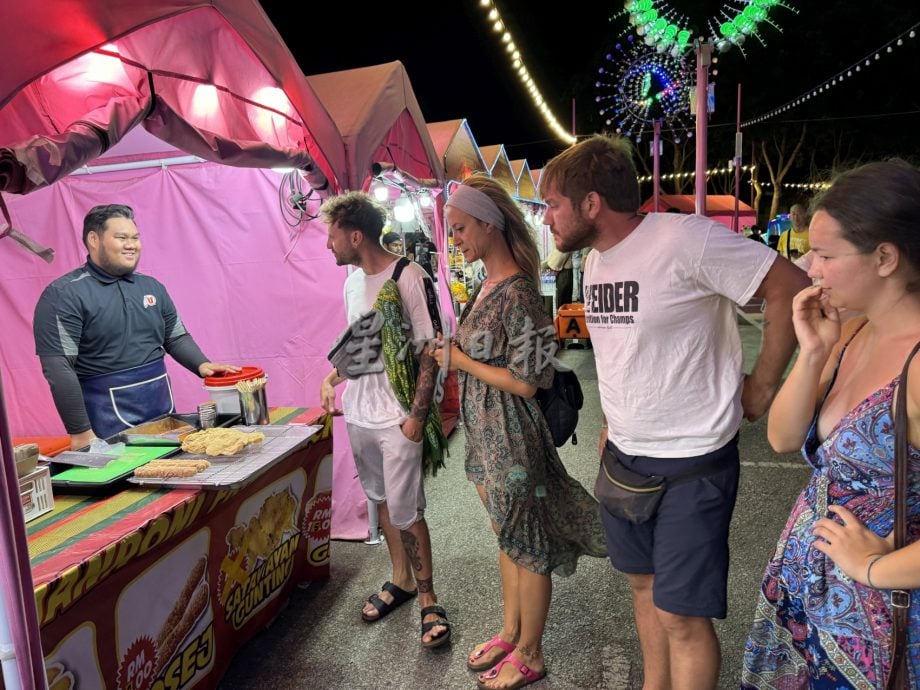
[(157, 589)]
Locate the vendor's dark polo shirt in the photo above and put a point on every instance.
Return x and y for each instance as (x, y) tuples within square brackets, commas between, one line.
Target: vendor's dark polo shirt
[(108, 323)]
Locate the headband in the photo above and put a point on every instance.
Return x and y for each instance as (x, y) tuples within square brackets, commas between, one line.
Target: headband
[(477, 204)]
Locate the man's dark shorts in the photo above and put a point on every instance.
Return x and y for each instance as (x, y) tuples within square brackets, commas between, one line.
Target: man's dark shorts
[(686, 544)]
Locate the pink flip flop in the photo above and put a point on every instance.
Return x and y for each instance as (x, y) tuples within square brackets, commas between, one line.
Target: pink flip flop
[(496, 641), (529, 675)]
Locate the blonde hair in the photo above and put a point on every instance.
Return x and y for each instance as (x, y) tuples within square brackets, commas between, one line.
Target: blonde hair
[(516, 233)]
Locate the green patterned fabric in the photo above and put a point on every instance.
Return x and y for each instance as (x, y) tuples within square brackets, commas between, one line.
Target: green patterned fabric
[(401, 365)]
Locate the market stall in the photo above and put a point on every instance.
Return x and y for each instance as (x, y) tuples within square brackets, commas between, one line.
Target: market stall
[(455, 145), (214, 80), (719, 207), (208, 567)]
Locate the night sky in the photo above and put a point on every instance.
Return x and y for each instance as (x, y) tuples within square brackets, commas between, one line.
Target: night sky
[(458, 69)]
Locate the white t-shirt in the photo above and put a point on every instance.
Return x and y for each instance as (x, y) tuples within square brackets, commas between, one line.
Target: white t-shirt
[(368, 401), (660, 307)]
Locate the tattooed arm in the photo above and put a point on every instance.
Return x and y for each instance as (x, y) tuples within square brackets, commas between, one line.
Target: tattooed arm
[(424, 393)]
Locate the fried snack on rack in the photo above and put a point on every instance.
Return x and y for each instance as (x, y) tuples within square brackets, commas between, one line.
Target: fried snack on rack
[(218, 441), (167, 469)]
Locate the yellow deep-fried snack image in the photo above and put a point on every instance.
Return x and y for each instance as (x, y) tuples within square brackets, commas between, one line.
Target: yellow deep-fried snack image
[(58, 677), (263, 532), (219, 441)]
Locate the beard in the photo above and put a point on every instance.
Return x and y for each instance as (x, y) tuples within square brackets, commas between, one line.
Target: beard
[(114, 267), (582, 234)]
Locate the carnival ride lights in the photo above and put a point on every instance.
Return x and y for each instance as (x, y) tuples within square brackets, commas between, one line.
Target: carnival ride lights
[(645, 86), (666, 30)]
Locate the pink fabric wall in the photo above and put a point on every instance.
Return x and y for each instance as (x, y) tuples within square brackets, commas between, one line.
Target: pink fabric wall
[(216, 238)]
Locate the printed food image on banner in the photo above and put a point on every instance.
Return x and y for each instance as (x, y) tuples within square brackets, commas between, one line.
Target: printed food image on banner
[(167, 641), (260, 549), (73, 664)]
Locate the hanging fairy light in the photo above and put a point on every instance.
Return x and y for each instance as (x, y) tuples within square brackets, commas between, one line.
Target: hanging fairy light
[(517, 64), (837, 79), (640, 86)]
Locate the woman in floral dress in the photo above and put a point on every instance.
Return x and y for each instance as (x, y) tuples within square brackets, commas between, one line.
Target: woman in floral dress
[(824, 615), (503, 351)]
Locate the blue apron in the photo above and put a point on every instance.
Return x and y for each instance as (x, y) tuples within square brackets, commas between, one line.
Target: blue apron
[(122, 399)]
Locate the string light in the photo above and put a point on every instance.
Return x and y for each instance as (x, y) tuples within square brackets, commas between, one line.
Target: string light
[(685, 175), (838, 78), (810, 186), (517, 64)]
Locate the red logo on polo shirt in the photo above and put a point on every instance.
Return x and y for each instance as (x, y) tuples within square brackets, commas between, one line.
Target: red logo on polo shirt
[(149, 301)]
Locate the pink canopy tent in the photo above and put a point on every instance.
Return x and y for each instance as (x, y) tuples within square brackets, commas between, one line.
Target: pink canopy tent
[(455, 145), (214, 79), (499, 166), (719, 207)]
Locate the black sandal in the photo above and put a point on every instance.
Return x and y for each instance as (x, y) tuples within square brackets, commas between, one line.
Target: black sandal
[(400, 597), (442, 621)]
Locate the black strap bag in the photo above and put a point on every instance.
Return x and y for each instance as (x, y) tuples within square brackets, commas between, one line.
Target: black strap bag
[(635, 497)]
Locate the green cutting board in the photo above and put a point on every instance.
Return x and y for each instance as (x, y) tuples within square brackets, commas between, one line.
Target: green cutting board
[(130, 459)]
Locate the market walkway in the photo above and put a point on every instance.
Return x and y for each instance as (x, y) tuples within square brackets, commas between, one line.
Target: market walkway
[(319, 641)]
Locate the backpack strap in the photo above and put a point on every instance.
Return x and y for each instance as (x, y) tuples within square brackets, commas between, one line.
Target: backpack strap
[(398, 269), (431, 299)]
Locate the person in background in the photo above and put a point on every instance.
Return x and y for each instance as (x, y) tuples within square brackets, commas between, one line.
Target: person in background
[(793, 243), (103, 330), (544, 519), (393, 242), (824, 614), (755, 233), (389, 437), (664, 328), (560, 263)]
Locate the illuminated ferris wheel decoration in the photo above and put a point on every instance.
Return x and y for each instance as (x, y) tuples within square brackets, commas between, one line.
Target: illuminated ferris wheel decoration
[(641, 85), (663, 28)]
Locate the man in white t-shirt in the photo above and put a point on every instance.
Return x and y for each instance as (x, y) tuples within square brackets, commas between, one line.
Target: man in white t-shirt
[(387, 442), (660, 294)]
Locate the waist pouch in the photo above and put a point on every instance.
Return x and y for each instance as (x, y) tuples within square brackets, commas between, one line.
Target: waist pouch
[(635, 497)]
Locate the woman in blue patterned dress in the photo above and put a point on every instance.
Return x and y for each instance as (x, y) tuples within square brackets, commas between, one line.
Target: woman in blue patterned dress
[(824, 615), (544, 519)]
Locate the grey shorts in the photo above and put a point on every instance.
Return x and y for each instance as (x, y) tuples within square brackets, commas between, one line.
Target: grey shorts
[(390, 469)]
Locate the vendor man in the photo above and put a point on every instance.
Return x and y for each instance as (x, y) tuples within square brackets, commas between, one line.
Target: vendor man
[(102, 332)]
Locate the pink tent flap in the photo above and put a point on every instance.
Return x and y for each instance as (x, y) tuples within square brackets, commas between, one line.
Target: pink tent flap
[(213, 78), (380, 121)]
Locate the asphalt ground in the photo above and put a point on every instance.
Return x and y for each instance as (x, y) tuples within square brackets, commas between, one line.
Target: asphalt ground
[(319, 640)]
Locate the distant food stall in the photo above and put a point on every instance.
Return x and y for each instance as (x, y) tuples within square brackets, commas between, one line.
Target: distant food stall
[(719, 207)]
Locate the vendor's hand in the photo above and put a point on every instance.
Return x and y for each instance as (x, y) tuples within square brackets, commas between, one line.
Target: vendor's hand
[(210, 369), (602, 442), (850, 545), (81, 440), (816, 322), (756, 398), (412, 429), (327, 397)]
